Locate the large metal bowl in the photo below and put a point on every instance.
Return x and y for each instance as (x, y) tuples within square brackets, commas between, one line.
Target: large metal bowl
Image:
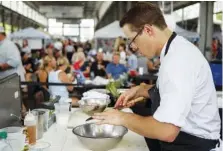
[(91, 106), (99, 137)]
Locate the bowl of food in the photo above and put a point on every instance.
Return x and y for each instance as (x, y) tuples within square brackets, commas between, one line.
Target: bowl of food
[(93, 105), (91, 135)]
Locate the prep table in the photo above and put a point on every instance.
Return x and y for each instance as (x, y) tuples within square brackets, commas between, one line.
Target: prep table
[(65, 140)]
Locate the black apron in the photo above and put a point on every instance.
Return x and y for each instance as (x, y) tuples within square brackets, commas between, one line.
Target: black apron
[(184, 141)]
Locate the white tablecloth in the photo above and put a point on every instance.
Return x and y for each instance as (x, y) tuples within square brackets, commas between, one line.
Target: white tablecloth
[(65, 140)]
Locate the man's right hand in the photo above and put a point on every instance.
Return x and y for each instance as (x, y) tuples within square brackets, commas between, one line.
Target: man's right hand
[(133, 93)]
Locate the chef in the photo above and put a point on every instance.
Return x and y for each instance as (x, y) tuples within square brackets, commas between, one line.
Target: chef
[(10, 59), (186, 117)]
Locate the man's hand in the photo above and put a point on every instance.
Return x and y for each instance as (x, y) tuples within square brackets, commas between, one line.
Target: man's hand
[(133, 93), (113, 117), (4, 66)]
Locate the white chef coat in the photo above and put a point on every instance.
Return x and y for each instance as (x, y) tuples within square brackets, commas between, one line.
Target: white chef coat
[(9, 54), (187, 92)]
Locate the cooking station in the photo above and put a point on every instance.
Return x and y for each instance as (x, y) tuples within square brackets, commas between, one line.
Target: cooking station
[(65, 140)]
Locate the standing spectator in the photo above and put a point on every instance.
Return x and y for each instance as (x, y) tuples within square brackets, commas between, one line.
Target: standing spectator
[(115, 69), (122, 52), (25, 47), (98, 67), (70, 50), (132, 61), (214, 47), (142, 63), (219, 51), (87, 47)]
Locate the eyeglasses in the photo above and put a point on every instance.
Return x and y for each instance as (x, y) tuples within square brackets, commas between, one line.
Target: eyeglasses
[(135, 38)]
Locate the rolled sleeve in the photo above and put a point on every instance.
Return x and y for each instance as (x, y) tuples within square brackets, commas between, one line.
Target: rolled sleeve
[(176, 93)]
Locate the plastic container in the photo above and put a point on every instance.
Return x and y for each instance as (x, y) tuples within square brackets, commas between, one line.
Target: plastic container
[(30, 123), (62, 107), (4, 145), (15, 137), (62, 119)]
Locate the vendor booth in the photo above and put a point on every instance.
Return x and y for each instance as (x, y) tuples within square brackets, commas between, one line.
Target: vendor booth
[(36, 38)]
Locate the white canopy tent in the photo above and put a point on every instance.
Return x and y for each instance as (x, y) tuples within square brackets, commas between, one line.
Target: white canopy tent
[(34, 36), (187, 34), (29, 33), (112, 30), (171, 23)]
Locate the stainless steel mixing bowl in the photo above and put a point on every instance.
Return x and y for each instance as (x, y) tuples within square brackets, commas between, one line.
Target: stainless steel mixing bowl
[(99, 137), (91, 106)]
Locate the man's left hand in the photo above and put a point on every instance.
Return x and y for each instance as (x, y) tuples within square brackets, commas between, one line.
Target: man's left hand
[(111, 116)]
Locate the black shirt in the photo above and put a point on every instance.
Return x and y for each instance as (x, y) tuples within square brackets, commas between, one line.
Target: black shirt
[(97, 71), (29, 61)]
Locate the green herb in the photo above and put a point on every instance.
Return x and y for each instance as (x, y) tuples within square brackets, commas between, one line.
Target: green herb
[(112, 87)]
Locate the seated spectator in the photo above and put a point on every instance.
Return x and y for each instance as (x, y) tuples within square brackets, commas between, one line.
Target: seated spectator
[(82, 63), (74, 57), (59, 76), (48, 65), (122, 52), (98, 67), (115, 69), (27, 62), (132, 61)]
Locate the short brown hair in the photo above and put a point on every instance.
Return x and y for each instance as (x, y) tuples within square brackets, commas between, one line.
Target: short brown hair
[(144, 13)]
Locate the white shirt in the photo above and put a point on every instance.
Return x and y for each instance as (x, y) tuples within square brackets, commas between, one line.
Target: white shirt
[(188, 95), (142, 63), (26, 50), (69, 48), (9, 54), (132, 62), (123, 57), (57, 90)]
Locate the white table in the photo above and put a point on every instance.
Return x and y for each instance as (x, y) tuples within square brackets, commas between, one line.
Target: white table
[(65, 140)]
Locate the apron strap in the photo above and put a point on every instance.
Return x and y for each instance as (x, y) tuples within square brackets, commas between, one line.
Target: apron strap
[(169, 42)]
